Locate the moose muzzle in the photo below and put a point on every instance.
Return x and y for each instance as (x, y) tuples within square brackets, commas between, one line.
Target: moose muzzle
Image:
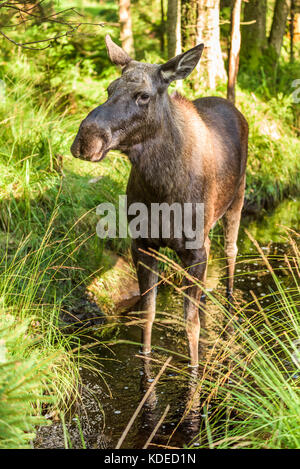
[(92, 141)]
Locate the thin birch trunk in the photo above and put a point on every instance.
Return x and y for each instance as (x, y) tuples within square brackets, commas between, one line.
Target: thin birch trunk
[(126, 35), (234, 54)]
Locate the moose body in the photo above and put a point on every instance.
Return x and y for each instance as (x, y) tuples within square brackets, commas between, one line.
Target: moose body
[(181, 152)]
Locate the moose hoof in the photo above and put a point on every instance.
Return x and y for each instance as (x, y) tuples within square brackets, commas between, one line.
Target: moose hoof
[(142, 352), (232, 327)]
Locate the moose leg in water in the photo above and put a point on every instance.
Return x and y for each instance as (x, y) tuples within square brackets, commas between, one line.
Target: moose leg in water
[(203, 297), (146, 267), (196, 262), (231, 221)]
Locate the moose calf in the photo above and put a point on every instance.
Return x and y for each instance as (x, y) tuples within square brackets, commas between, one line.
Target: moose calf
[(181, 151)]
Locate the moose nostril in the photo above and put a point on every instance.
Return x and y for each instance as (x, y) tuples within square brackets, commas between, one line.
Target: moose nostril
[(93, 148), (88, 147)]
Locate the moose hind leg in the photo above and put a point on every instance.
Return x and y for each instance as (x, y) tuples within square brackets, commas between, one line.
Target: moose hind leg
[(146, 267), (231, 221), (207, 249), (196, 263)]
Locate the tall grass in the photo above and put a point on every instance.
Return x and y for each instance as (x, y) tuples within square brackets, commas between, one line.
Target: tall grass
[(39, 366), (261, 398), (251, 380)]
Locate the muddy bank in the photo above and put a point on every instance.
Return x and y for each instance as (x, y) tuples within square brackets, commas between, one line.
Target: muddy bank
[(117, 289)]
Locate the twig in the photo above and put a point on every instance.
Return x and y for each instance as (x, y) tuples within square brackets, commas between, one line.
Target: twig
[(25, 44), (137, 410), (157, 427), (72, 26)]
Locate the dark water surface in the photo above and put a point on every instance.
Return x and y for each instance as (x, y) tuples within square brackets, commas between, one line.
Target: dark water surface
[(109, 401)]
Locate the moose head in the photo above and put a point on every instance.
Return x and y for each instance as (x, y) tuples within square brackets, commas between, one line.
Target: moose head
[(136, 104)]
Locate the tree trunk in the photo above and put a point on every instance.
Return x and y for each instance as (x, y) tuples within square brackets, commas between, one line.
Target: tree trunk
[(254, 34), (292, 30), (234, 54), (126, 35), (188, 23), (162, 27), (211, 64), (281, 11), (174, 28)]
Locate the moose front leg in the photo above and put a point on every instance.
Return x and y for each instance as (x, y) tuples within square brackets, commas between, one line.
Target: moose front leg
[(146, 267), (196, 262)]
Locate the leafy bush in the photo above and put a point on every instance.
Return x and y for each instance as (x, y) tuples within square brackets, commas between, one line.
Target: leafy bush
[(24, 375)]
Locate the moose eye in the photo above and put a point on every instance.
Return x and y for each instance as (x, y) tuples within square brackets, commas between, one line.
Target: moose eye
[(143, 98)]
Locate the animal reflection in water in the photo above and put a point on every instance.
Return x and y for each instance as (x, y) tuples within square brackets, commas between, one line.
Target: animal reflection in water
[(151, 421)]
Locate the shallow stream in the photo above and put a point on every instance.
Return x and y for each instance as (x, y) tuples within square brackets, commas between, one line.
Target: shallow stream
[(109, 401)]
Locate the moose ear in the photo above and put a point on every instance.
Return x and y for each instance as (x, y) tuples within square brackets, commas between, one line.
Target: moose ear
[(116, 54), (182, 65)]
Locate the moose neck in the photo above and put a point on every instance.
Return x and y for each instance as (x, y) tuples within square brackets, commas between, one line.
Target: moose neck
[(159, 158)]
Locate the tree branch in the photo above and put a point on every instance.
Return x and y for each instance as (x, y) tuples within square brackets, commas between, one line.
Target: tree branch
[(29, 14)]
